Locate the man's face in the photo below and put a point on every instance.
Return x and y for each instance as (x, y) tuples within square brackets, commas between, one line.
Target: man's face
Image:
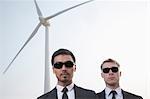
[(64, 74), (111, 77)]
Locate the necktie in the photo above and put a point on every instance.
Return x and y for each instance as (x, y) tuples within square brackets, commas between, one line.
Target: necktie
[(65, 96), (113, 94)]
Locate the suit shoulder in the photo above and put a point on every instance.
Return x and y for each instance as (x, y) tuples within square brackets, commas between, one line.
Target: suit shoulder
[(132, 95), (100, 94), (44, 96), (83, 93), (85, 90)]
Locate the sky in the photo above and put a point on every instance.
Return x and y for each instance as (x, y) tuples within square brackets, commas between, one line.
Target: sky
[(101, 29)]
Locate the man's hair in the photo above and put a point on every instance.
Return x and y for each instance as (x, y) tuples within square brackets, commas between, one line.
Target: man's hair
[(62, 52), (110, 60)]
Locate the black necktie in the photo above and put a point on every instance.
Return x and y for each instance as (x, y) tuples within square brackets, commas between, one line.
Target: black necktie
[(113, 94), (65, 96)]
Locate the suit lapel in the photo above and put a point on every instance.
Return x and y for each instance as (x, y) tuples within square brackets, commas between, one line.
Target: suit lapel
[(53, 94), (76, 92), (103, 94), (125, 95)]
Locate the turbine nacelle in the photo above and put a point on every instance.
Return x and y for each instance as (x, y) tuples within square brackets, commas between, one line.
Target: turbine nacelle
[(43, 21)]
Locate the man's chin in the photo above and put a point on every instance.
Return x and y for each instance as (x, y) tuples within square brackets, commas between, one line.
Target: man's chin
[(64, 79), (112, 83)]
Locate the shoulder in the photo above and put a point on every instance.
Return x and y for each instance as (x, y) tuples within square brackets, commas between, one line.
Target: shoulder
[(48, 94), (83, 93), (101, 94), (84, 90), (134, 96)]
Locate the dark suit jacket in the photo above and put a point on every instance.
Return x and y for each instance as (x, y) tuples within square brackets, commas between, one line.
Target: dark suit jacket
[(126, 95), (80, 93)]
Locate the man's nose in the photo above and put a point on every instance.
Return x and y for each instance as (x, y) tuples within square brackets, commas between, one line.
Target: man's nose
[(110, 72), (63, 67)]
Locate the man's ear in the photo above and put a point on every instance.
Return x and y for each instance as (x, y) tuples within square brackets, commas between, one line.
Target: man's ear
[(74, 68), (120, 73)]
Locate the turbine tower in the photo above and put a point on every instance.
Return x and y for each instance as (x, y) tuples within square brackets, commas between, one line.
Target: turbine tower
[(45, 23)]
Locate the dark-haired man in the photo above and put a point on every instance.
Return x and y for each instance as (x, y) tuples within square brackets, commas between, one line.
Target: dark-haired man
[(64, 66)]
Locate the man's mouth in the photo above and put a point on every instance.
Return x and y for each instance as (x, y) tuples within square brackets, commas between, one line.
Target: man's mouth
[(111, 78), (64, 74)]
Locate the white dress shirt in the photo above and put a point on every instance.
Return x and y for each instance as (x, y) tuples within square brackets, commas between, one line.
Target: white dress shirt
[(70, 92), (119, 94)]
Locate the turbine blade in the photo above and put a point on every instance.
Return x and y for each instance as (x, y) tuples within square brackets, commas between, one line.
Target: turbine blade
[(67, 9), (31, 36), (38, 9)]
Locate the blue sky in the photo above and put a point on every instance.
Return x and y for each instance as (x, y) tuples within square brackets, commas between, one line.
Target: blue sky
[(96, 31)]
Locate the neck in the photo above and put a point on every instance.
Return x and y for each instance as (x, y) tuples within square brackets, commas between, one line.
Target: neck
[(64, 84), (113, 86)]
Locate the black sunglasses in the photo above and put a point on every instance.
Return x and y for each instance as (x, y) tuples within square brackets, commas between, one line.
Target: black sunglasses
[(59, 65), (113, 69)]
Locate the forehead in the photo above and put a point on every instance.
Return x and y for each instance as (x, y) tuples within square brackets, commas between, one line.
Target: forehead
[(62, 58), (109, 64)]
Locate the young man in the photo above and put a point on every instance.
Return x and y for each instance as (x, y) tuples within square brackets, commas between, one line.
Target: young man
[(111, 74), (63, 62)]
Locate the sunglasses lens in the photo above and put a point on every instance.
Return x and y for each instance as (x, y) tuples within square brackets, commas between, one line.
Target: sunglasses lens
[(69, 64), (114, 69), (58, 65), (106, 70)]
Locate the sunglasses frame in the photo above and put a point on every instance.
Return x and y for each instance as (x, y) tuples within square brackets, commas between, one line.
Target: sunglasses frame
[(113, 69), (59, 65)]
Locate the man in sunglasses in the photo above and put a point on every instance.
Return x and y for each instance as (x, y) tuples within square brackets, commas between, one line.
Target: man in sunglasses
[(111, 75), (63, 62)]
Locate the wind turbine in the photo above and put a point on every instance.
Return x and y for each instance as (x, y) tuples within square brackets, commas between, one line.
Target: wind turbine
[(45, 23)]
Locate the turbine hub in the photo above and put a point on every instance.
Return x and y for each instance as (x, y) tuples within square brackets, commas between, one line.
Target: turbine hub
[(44, 21)]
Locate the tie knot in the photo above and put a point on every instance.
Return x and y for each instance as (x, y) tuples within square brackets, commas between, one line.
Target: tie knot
[(113, 92), (65, 89)]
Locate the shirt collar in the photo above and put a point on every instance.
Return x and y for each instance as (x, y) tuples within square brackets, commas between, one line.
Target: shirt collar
[(108, 90), (69, 87)]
